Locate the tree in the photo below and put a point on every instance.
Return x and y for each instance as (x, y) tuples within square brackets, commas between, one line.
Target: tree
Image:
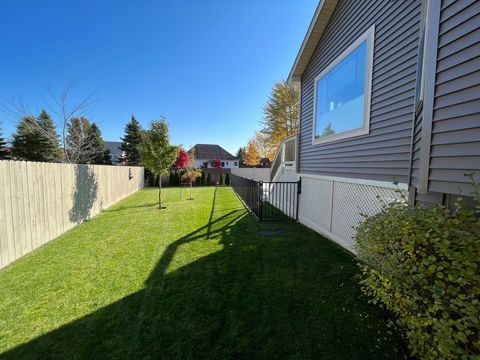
[(82, 142), (281, 114), (36, 139), (107, 157), (329, 130), (98, 147), (227, 179), (131, 142), (182, 160), (156, 152), (240, 155), (60, 106), (252, 156), (217, 164), (3, 149), (49, 139), (264, 145)]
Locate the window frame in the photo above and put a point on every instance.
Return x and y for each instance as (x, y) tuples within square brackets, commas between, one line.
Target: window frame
[(368, 37)]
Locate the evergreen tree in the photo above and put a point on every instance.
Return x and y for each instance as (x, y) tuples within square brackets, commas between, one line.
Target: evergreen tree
[(178, 179), (85, 144), (131, 141), (241, 155), (77, 141), (209, 179), (329, 130), (3, 150), (227, 180), (97, 144), (220, 182), (36, 139), (107, 157), (49, 139)]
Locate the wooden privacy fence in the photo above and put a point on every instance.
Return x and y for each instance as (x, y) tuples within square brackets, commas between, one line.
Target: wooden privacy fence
[(40, 201)]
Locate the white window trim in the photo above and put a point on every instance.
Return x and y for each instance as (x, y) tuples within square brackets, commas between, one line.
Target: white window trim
[(369, 37)]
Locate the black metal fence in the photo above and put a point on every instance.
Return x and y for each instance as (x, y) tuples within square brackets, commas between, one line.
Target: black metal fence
[(250, 192), (270, 200)]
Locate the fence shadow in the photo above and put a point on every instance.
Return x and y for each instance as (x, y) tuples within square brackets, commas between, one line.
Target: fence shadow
[(85, 194), (256, 297)]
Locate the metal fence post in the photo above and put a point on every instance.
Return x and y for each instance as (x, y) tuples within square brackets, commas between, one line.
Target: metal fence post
[(260, 201)]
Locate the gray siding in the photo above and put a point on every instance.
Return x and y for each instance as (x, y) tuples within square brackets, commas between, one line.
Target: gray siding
[(384, 153), (455, 147), (416, 139)]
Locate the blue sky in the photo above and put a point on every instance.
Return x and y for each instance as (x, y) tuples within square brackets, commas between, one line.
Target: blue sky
[(207, 66)]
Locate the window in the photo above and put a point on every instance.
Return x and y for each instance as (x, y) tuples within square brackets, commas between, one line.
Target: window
[(235, 163), (342, 93), (223, 164)]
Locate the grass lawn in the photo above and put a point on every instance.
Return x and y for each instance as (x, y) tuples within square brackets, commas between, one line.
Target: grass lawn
[(200, 279)]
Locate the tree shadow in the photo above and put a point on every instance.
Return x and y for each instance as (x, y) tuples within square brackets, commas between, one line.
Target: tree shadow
[(288, 295), (85, 194)]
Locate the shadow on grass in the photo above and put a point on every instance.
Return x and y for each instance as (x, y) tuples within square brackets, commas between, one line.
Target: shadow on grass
[(288, 295)]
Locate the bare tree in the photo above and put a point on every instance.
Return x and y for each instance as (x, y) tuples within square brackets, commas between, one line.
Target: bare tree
[(60, 106)]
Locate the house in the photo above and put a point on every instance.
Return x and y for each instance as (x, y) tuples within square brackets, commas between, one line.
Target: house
[(205, 154), (116, 152), (390, 91)]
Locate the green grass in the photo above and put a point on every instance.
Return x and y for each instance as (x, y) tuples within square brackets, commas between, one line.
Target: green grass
[(199, 279)]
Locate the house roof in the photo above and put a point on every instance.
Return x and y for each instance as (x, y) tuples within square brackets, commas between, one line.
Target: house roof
[(315, 31), (115, 151), (211, 152)]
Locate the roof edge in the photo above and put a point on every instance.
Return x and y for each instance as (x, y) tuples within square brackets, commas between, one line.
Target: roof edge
[(315, 31)]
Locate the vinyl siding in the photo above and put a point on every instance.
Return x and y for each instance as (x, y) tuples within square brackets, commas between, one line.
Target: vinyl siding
[(384, 153), (455, 147), (416, 143)]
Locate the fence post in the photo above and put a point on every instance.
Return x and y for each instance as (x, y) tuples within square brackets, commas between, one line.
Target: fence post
[(260, 201), (299, 191)]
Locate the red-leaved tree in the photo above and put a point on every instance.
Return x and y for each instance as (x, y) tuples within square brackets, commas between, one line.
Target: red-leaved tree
[(217, 164), (182, 159)]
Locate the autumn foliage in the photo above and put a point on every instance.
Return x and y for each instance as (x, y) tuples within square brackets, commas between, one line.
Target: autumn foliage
[(182, 159), (217, 164)]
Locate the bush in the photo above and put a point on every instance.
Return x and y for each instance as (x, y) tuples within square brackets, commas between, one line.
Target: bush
[(178, 179), (227, 179), (198, 181), (220, 181), (171, 179), (203, 179), (422, 263), (209, 179)]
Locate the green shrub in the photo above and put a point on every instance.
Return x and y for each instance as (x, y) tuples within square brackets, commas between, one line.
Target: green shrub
[(220, 181), (423, 264), (227, 179), (171, 179), (178, 179), (198, 181), (209, 179), (203, 180)]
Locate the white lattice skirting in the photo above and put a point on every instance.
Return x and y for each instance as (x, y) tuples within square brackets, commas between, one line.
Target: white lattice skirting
[(333, 206)]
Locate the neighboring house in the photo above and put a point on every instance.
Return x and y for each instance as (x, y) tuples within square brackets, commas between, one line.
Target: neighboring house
[(116, 152), (205, 154), (390, 91)]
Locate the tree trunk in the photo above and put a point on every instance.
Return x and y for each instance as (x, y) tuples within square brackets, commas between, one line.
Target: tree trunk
[(160, 192)]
